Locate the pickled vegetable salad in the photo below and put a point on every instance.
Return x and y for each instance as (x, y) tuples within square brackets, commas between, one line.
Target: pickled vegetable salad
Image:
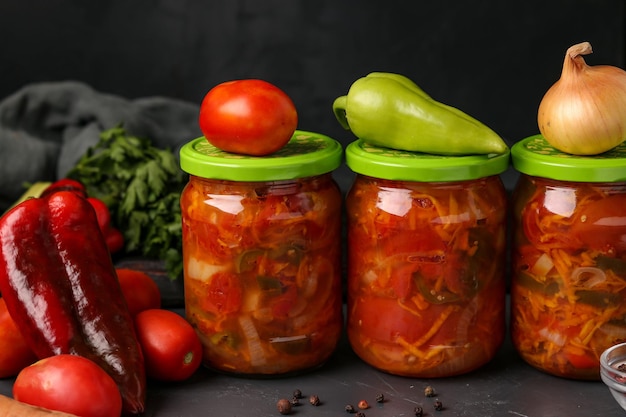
[(570, 281), (262, 275), (426, 294)]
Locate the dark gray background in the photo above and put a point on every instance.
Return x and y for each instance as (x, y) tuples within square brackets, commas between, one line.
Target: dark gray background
[(493, 59)]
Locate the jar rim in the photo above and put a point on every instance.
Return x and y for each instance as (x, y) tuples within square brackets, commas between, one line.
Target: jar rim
[(306, 154), (393, 164), (536, 157)]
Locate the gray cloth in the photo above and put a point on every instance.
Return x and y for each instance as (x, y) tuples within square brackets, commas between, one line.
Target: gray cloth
[(46, 127)]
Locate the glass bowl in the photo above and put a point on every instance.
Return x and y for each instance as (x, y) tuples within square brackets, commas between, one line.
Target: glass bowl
[(614, 375)]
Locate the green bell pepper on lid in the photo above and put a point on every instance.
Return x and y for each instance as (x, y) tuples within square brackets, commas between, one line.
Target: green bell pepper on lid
[(390, 110)]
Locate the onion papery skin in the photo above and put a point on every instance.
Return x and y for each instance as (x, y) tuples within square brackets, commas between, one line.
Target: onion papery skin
[(584, 112)]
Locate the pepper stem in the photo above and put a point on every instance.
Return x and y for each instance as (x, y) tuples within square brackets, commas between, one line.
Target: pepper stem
[(339, 108)]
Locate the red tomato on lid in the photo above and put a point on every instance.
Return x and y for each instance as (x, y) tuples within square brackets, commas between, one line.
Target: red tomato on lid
[(250, 117)]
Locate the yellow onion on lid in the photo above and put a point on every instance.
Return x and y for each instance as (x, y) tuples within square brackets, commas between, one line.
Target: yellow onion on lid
[(584, 112)]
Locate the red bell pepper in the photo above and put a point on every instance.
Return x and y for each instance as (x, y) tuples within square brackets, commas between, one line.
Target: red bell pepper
[(60, 286)]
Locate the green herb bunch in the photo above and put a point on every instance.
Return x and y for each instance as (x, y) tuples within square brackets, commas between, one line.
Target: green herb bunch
[(141, 185)]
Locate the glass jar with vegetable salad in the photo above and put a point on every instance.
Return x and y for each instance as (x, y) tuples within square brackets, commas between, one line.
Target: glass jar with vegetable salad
[(568, 290), (426, 260), (261, 255)]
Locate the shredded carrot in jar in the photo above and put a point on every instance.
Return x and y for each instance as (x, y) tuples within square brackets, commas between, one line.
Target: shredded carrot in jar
[(564, 316), (426, 274), (262, 272)]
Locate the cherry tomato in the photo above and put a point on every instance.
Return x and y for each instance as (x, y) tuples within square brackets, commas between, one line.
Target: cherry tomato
[(139, 289), (171, 347), (250, 117), (69, 383), (114, 240), (14, 352)]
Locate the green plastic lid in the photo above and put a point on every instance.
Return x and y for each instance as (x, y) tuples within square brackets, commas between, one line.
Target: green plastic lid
[(392, 164), (305, 155), (536, 157)]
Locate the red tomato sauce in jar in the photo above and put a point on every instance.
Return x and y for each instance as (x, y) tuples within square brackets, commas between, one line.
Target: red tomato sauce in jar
[(426, 260), (261, 253), (568, 290)]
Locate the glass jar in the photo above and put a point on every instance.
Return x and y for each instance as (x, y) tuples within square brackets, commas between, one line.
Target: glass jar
[(426, 260), (568, 290), (261, 255)]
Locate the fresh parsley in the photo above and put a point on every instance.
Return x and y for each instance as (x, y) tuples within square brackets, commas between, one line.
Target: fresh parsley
[(141, 185)]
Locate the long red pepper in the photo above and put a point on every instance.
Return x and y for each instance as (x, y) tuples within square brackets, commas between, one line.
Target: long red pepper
[(60, 287), (112, 236)]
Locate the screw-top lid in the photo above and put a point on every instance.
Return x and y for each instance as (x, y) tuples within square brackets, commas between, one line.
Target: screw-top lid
[(536, 157), (392, 164), (305, 155)]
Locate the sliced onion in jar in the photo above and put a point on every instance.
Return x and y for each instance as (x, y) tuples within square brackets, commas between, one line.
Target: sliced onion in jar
[(542, 266), (307, 279), (552, 336), (459, 359), (466, 319), (201, 270), (257, 354), (588, 276)]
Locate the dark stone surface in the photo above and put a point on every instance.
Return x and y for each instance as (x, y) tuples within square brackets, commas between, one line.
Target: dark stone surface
[(507, 386)]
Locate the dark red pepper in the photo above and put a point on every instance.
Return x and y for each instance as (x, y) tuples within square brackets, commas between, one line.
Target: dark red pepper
[(113, 237), (61, 288), (65, 184)]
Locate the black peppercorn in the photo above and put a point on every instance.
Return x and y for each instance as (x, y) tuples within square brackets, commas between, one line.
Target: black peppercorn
[(380, 398), (295, 401), (360, 414), (438, 405), (350, 408), (284, 406), (418, 411), (314, 400), (297, 394)]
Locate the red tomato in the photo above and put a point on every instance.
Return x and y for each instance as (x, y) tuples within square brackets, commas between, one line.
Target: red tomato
[(14, 352), (539, 232), (224, 294), (250, 117), (383, 320), (69, 383), (282, 304), (114, 240), (170, 345), (102, 213), (139, 289), (582, 361), (601, 224)]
